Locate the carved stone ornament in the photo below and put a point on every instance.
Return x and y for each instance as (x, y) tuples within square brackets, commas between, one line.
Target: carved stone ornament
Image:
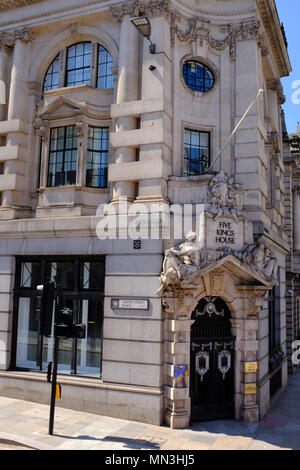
[(152, 8), (261, 258), (210, 308), (199, 29), (224, 198), (42, 130), (8, 38), (183, 263)]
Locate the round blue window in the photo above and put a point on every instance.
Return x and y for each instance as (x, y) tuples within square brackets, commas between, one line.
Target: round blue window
[(197, 76)]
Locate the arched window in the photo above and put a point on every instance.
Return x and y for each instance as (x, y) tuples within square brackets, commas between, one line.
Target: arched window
[(76, 65)]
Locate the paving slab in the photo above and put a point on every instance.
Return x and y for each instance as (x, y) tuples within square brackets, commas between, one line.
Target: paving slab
[(24, 425)]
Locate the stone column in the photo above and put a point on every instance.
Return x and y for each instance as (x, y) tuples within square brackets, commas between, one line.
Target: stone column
[(17, 106), (4, 58), (128, 90), (17, 109)]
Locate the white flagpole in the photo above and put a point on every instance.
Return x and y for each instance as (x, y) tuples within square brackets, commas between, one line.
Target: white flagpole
[(236, 128)]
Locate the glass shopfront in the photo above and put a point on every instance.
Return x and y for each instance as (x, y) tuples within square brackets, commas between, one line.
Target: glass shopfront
[(82, 281)]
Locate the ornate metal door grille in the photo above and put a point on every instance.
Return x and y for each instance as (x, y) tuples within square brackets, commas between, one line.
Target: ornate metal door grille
[(212, 361)]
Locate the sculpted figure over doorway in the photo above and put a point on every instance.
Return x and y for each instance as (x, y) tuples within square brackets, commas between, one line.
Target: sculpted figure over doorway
[(180, 263)]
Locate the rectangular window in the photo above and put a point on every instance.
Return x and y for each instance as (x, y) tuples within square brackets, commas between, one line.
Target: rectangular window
[(196, 152), (82, 282), (97, 157), (62, 156)]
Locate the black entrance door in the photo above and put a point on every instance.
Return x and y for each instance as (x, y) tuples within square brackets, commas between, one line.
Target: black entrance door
[(212, 361)]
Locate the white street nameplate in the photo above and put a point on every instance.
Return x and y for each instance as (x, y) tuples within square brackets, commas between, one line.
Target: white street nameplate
[(132, 304)]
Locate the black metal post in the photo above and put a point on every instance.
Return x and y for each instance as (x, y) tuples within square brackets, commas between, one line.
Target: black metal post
[(58, 305), (53, 389)]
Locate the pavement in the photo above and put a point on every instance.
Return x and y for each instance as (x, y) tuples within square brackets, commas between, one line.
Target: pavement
[(24, 426)]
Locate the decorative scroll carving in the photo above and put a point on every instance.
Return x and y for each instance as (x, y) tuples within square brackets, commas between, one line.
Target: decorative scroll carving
[(224, 198), (276, 85), (152, 8), (8, 38), (198, 28), (210, 308), (24, 35), (41, 129)]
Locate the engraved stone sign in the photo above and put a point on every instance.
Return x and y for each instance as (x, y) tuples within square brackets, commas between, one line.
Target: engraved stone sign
[(224, 233)]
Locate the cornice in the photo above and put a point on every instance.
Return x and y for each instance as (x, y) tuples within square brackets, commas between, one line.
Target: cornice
[(57, 11), (196, 28), (6, 5), (269, 16), (199, 11)]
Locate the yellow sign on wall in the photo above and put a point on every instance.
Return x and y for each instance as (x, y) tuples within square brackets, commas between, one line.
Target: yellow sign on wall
[(250, 389), (251, 367)]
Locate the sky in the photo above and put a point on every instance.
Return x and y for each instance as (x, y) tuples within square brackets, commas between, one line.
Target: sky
[(289, 13)]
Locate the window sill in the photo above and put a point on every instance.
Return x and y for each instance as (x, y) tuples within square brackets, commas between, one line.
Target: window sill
[(73, 88), (72, 187)]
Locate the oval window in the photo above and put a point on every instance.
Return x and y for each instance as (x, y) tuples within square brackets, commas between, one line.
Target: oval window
[(197, 76)]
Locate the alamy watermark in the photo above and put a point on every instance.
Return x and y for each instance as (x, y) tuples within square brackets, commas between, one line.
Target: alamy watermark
[(154, 221), (296, 352)]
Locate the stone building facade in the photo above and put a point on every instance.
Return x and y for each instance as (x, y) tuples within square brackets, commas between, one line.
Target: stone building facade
[(291, 162), (94, 116)]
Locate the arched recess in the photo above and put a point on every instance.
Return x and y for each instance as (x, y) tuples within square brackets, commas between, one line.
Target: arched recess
[(65, 39), (212, 361)]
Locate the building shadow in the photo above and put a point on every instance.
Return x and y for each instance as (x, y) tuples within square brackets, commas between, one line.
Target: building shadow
[(135, 444)]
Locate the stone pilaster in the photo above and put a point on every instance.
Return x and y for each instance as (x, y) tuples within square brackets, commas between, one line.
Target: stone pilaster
[(247, 332), (177, 361)]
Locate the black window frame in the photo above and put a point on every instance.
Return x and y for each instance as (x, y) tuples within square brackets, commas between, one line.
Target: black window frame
[(65, 150), (108, 76), (93, 152), (202, 163), (76, 295), (77, 69), (95, 64), (51, 73)]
